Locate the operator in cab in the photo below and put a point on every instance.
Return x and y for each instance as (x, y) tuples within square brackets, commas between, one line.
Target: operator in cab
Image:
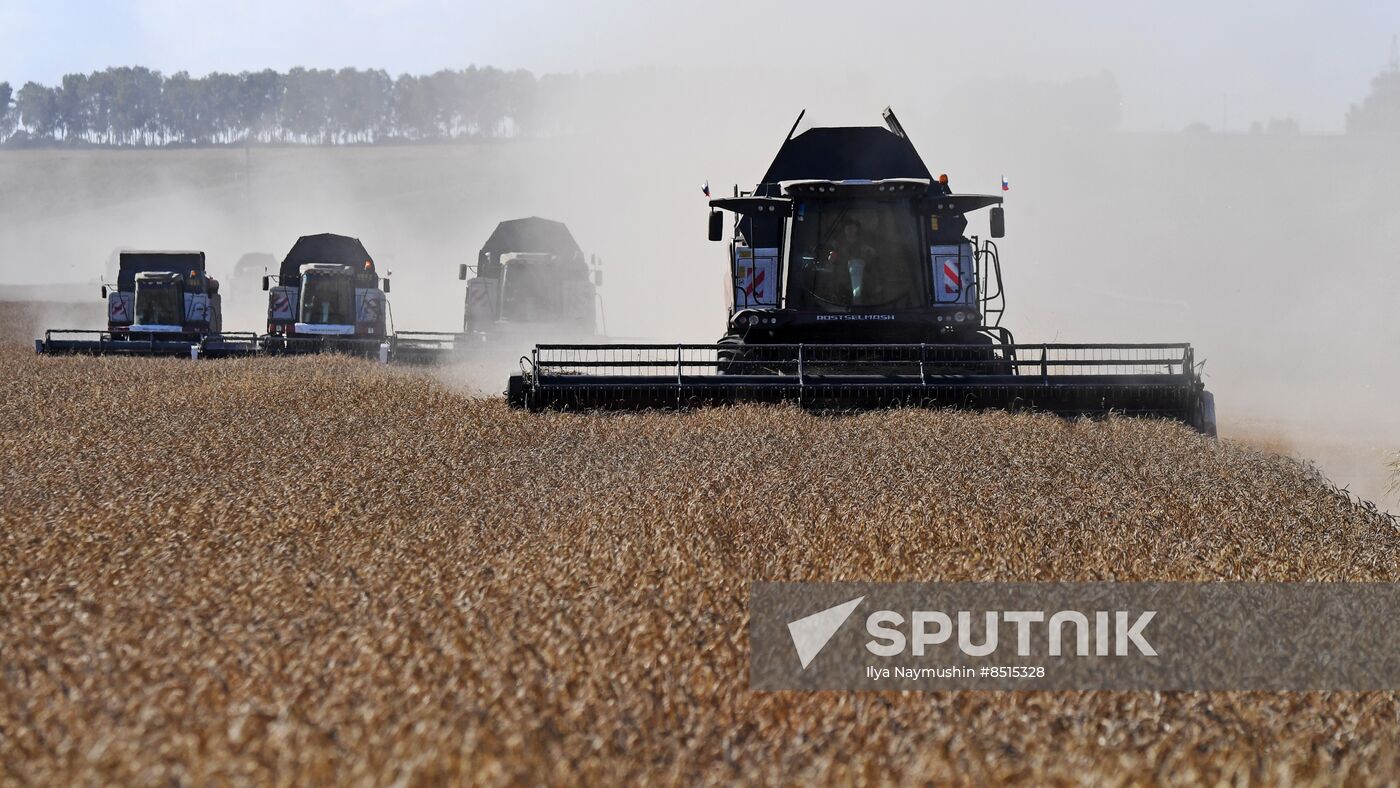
[(848, 257)]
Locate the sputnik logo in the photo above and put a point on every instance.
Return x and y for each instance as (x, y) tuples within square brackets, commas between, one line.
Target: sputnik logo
[(811, 634)]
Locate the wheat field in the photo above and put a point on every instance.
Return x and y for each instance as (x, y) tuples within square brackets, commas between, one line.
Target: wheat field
[(326, 571)]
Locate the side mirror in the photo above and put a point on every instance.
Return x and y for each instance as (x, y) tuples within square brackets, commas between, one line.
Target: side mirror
[(462, 272), (386, 284), (104, 292), (998, 222), (597, 278), (265, 282), (716, 226)]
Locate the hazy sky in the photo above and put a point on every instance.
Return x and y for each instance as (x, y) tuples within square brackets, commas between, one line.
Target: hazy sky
[(1176, 63)]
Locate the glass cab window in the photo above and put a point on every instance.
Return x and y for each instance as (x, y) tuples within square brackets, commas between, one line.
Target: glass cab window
[(327, 299), (530, 289), (855, 255), (159, 304)]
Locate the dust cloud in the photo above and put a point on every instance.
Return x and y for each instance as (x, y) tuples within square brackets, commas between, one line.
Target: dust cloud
[(1275, 255)]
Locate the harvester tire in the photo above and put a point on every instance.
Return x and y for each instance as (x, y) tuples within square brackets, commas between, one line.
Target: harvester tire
[(516, 393), (731, 349), (1204, 417)]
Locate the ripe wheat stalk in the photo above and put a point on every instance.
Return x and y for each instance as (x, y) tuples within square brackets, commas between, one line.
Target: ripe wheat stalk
[(321, 570)]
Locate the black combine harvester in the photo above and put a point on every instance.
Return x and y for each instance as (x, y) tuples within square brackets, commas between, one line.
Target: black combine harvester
[(855, 286), (164, 304), (530, 279), (327, 297)]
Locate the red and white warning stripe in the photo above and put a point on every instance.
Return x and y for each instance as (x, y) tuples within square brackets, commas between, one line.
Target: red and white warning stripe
[(754, 289), (952, 283)]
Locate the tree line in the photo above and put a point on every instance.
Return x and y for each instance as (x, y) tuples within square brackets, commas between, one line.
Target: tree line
[(1379, 113), (135, 106)]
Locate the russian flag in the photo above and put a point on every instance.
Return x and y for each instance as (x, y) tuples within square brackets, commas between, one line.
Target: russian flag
[(1005, 184), (706, 188)]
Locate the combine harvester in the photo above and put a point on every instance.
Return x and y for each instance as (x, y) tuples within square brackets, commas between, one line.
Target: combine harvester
[(855, 286), (327, 297), (164, 304), (531, 282)]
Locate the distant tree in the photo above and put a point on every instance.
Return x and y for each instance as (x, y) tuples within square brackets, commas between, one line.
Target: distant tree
[(193, 110), (560, 102), (415, 108), (1284, 127), (179, 109), (1379, 112), (489, 104), (341, 105), (259, 102), (38, 109), (360, 104), (73, 107), (138, 101), (306, 104), (129, 107), (472, 101), (522, 94), (98, 101), (221, 94), (447, 108), (7, 111)]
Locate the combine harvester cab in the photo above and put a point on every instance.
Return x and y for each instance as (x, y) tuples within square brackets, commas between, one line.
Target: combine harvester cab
[(531, 281), (164, 304), (327, 298), (855, 286)]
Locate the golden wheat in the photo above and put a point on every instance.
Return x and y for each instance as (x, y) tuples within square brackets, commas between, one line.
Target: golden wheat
[(322, 570)]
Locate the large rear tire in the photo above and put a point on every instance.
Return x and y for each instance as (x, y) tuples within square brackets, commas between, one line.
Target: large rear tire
[(1204, 417), (731, 349), (517, 395)]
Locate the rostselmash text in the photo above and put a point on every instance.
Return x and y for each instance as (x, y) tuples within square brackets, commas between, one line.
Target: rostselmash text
[(1067, 632)]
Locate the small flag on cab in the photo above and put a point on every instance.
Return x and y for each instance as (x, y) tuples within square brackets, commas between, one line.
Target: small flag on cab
[(1005, 184), (705, 187)]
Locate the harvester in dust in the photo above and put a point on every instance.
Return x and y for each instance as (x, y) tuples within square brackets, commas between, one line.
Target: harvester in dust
[(531, 282), (856, 286), (327, 297), (163, 304)]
